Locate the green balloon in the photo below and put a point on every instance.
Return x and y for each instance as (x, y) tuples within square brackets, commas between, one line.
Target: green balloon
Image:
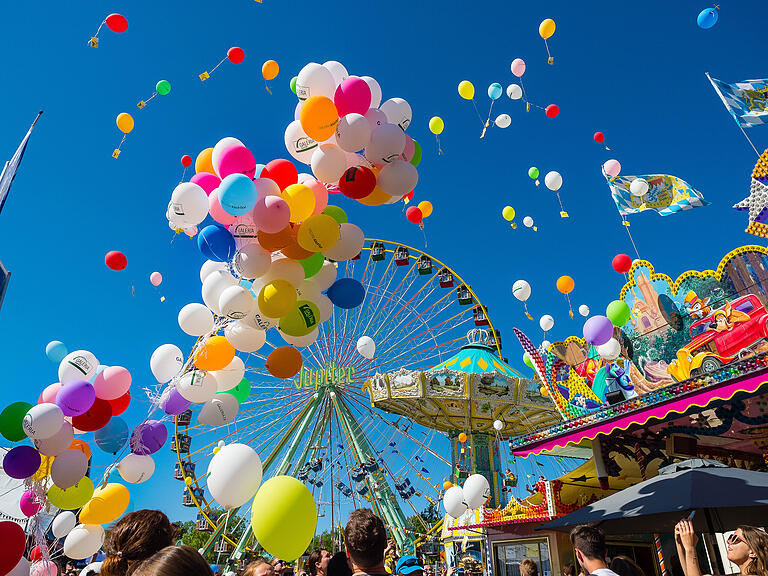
[(416, 160), (163, 87), (336, 213), (312, 264), (293, 84), (73, 497), (301, 320), (241, 391), (11, 419), (527, 360), (618, 313), (533, 172)]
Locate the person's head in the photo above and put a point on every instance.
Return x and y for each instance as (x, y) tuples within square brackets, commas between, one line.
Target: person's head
[(748, 548), (365, 539), (625, 566), (589, 546), (317, 563), (569, 570), (409, 566), (135, 537), (528, 567), (278, 566), (174, 561), (259, 568), (339, 565), (428, 570)]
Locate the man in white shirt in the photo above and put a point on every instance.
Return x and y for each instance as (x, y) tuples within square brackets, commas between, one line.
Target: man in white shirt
[(589, 548)]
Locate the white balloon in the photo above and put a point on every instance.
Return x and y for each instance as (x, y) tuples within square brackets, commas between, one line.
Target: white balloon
[(353, 132), (553, 180), (329, 163), (325, 277), (63, 523), (252, 261), (210, 266), (57, 443), (43, 421), (521, 290), (235, 302), (545, 344), (219, 149), (83, 541), (195, 319), (77, 365), (638, 187), (21, 568), (219, 410), (337, 70), (135, 468), (165, 362), (546, 322), (93, 566), (498, 425), (514, 92), (375, 91), (453, 502), (230, 376), (375, 118), (398, 112), (281, 269), (315, 80), (349, 244), (234, 475), (584, 310), (298, 144), (477, 490), (300, 341), (503, 121), (189, 204), (325, 306), (398, 178), (68, 468), (196, 386), (527, 221), (610, 350), (257, 319), (213, 286), (244, 337), (366, 347), (387, 144)]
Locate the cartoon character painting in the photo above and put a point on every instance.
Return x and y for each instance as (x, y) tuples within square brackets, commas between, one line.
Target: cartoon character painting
[(696, 307)]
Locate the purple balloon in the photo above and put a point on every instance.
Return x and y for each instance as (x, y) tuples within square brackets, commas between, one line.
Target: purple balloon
[(598, 330), (75, 398), (173, 403), (21, 462), (148, 438)]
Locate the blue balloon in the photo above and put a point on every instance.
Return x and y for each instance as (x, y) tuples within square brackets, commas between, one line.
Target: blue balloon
[(494, 91), (707, 18), (259, 169), (237, 194), (112, 436), (56, 350), (346, 293), (216, 243), (214, 569)]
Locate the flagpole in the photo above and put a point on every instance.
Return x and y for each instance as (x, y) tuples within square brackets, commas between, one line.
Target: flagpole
[(725, 103), (7, 176)]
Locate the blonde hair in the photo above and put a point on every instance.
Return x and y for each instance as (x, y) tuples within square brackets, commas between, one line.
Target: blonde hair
[(757, 540)]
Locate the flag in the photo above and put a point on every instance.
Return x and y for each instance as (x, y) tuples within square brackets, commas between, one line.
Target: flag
[(10, 168), (666, 195), (746, 101)]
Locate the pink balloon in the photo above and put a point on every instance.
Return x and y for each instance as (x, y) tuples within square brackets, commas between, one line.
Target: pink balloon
[(518, 67), (266, 187), (156, 278), (612, 168), (207, 181), (375, 118), (216, 211), (29, 504), (352, 95), (410, 148), (237, 160), (112, 382), (243, 230), (43, 568), (271, 214), (49, 394), (321, 194)]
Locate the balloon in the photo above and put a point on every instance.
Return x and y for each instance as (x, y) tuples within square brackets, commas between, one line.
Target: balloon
[(116, 23), (349, 244), (398, 178), (300, 200), (83, 541), (543, 391), (466, 90), (136, 469), (612, 168), (214, 284), (43, 421), (301, 319), (353, 132), (546, 322), (148, 437), (57, 443), (68, 469), (318, 118), (638, 187), (173, 403), (22, 568), (195, 320), (204, 161), (282, 172), (216, 243), (237, 160), (366, 347), (618, 313), (386, 145), (298, 144), (237, 193), (533, 172), (43, 568), (327, 275), (426, 208), (552, 111), (514, 91), (503, 121), (707, 18), (314, 80), (521, 290), (165, 362), (55, 350), (207, 181), (13, 539), (229, 376), (599, 137), (346, 293), (436, 125), (508, 213), (271, 214), (357, 182), (476, 491), (528, 361), (462, 437), (214, 354), (565, 284), (75, 397), (453, 502), (189, 204), (621, 263), (63, 523), (398, 112), (375, 91), (584, 310), (276, 298), (49, 393), (241, 391), (279, 498), (518, 67), (413, 214), (284, 362), (155, 278), (252, 261), (112, 437), (107, 504), (328, 163), (112, 382), (270, 70), (495, 91), (597, 330), (12, 421), (553, 180), (124, 122), (318, 233), (235, 302), (498, 425), (547, 28), (95, 417), (219, 410), (235, 55), (610, 350), (244, 337), (115, 260), (353, 95), (186, 160), (21, 462)]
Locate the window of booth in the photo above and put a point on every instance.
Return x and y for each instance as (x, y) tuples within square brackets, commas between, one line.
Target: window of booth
[(507, 556)]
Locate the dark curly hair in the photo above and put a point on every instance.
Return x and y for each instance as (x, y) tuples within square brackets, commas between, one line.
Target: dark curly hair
[(365, 538), (136, 537)]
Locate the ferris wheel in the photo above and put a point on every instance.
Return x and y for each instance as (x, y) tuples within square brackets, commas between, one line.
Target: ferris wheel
[(320, 426)]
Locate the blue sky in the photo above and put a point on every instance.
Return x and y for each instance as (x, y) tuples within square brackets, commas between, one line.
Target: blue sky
[(633, 71)]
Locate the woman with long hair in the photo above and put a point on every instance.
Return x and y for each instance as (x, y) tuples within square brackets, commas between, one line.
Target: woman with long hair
[(174, 561), (747, 548), (136, 537), (625, 566)]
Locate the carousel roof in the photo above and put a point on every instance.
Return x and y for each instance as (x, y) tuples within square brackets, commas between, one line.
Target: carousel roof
[(477, 359)]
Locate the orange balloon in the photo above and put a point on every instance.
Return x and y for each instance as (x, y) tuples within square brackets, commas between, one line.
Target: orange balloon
[(275, 241), (375, 198), (318, 118), (204, 161), (565, 284), (447, 485), (270, 70), (292, 249), (215, 353), (284, 362), (78, 444), (462, 437)]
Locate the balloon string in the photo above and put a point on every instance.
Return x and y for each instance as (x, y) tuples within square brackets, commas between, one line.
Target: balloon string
[(570, 308), (150, 98), (267, 87), (550, 60), (479, 117), (487, 122), (421, 225), (121, 142), (217, 65), (525, 305), (560, 201), (183, 174), (439, 149), (99, 29)]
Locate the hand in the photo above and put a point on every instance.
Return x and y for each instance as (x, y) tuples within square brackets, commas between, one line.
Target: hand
[(451, 571), (687, 536)]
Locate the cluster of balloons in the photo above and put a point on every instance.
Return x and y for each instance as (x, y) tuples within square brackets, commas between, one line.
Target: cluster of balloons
[(115, 22), (471, 496), (508, 213), (354, 143), (418, 213), (599, 330)]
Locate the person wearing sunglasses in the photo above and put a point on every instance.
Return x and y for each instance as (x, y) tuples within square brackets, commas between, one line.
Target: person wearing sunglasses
[(747, 548)]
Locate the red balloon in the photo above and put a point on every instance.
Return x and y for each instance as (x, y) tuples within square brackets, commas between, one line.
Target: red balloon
[(281, 171), (115, 260), (408, 196), (12, 537), (552, 110), (186, 160), (357, 182), (236, 55), (119, 405), (117, 23), (622, 263), (36, 554), (414, 214), (599, 137), (96, 417)]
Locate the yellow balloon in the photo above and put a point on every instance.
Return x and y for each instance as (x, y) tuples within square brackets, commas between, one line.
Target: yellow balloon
[(543, 391), (124, 122), (547, 28), (508, 213), (284, 517), (462, 437), (301, 320), (301, 201), (277, 298), (466, 90), (426, 208), (73, 497), (319, 232), (375, 198), (44, 469), (107, 504), (436, 125), (204, 162)]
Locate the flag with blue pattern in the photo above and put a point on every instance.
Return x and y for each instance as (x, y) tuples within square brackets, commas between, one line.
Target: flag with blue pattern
[(666, 195), (746, 101)]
